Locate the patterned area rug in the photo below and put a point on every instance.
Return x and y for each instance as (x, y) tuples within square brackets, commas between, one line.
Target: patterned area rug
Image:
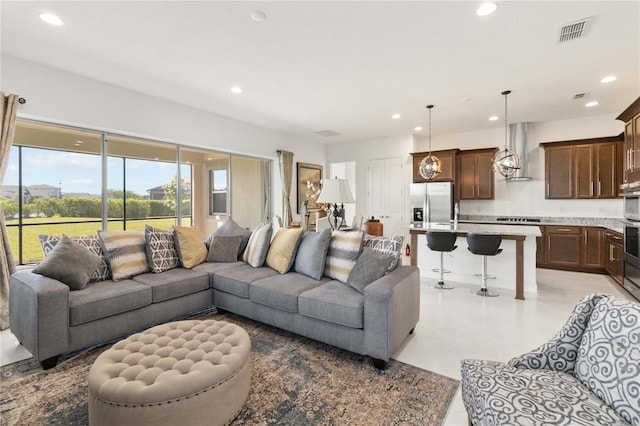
[(294, 381)]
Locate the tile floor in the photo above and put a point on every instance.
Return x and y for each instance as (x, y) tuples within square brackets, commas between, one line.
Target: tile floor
[(456, 324)]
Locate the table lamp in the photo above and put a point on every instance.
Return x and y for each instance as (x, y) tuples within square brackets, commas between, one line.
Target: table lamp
[(336, 191)]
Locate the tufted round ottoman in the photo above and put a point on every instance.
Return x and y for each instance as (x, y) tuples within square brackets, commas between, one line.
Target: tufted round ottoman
[(181, 373)]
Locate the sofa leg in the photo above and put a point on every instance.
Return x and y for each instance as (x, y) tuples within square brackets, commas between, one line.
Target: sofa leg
[(380, 364), (49, 362), (411, 332)]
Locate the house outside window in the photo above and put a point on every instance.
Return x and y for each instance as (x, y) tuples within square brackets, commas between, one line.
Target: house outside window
[(218, 182)]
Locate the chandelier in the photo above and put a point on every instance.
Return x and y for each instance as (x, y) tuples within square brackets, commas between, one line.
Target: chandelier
[(505, 161), (430, 166)]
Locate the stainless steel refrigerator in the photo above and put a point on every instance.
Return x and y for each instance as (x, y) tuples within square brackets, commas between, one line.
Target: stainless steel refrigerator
[(431, 202)]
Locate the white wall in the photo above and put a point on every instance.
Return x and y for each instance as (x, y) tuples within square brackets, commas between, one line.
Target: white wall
[(61, 97), (362, 151)]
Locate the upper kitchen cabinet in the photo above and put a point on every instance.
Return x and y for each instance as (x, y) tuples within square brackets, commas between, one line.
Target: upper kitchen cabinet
[(631, 118), (476, 178), (448, 166), (587, 168)]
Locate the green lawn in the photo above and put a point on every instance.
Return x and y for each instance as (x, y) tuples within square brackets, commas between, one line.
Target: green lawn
[(31, 249)]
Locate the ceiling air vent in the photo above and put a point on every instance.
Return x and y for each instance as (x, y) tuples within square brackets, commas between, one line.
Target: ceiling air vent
[(573, 30), (327, 133), (580, 95)]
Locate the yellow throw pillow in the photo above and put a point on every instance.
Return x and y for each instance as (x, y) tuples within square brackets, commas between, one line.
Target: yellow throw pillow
[(191, 248), (282, 251)]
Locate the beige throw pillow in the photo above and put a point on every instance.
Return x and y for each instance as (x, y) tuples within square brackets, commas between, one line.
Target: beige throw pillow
[(282, 251), (190, 245)]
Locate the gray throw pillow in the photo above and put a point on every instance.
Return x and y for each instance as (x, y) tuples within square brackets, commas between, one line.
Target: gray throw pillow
[(224, 248), (69, 263), (231, 229), (370, 266), (312, 252)]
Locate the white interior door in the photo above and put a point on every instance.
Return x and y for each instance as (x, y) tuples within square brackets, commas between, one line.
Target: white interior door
[(386, 194)]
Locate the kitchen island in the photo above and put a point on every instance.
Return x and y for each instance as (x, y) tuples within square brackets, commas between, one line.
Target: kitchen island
[(517, 262)]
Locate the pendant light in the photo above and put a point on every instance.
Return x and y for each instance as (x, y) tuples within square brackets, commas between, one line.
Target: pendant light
[(430, 166), (505, 161)]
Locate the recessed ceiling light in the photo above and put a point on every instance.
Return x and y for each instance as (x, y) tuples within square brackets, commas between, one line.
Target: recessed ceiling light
[(50, 18), (396, 116), (591, 104), (493, 118), (79, 142), (258, 16), (486, 9), (608, 79), (236, 89), (417, 129)]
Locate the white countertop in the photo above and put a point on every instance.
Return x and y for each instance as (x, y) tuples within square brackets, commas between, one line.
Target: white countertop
[(482, 228)]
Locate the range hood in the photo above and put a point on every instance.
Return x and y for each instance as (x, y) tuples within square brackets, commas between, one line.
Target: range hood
[(518, 138)]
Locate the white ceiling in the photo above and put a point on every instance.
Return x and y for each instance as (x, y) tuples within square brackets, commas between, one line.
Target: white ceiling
[(345, 66)]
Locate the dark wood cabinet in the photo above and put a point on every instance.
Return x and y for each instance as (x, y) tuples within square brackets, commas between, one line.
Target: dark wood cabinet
[(614, 252), (476, 178), (574, 248), (558, 172), (448, 165), (588, 168), (631, 118), (592, 253), (563, 246), (540, 251)]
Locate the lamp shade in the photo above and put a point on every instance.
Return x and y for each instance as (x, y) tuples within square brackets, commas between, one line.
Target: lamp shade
[(335, 191)]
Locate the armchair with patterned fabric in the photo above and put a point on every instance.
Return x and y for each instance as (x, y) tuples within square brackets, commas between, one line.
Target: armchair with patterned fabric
[(588, 374)]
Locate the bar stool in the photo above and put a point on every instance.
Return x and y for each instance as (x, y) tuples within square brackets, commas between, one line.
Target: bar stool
[(484, 245), (442, 242)]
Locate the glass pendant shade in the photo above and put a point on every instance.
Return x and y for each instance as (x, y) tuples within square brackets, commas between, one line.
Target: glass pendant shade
[(430, 167)]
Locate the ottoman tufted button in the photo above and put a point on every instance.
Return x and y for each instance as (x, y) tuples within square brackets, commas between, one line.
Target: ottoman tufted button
[(176, 373)]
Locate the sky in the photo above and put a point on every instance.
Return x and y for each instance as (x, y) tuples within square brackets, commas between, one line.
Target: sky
[(80, 173)]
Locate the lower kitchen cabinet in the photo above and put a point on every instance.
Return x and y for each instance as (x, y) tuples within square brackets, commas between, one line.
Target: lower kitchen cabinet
[(563, 246), (575, 248), (592, 247), (614, 255)]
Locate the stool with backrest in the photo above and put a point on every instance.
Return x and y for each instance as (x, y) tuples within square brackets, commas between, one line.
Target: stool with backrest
[(484, 245), (442, 242)]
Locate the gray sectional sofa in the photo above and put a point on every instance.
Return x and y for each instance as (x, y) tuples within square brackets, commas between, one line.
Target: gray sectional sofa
[(50, 320)]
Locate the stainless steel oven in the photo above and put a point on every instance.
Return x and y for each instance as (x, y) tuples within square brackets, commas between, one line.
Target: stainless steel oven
[(631, 280)]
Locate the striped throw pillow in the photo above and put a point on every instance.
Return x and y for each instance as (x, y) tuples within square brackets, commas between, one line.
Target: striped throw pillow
[(125, 252), (258, 246), (342, 255)]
